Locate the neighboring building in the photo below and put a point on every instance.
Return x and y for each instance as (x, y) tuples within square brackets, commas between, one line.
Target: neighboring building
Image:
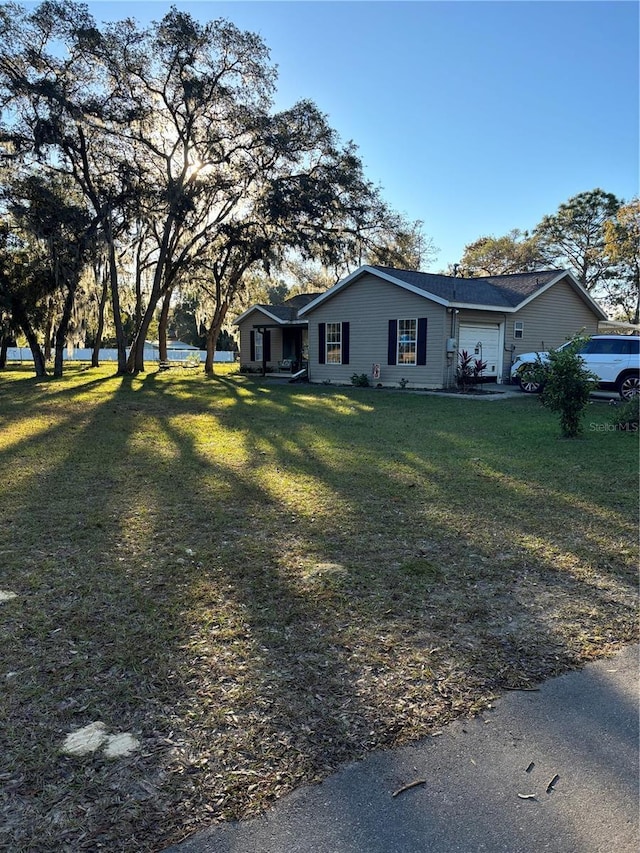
[(273, 337), (395, 324)]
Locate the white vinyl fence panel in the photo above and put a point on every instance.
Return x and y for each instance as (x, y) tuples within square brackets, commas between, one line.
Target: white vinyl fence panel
[(23, 354)]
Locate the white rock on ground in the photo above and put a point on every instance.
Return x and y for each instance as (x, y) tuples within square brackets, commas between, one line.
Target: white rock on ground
[(95, 736), (119, 745), (6, 595), (85, 740)]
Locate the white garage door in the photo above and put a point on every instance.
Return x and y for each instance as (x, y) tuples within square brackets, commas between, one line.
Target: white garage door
[(489, 338)]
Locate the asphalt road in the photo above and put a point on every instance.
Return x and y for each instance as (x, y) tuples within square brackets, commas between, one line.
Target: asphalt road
[(573, 745)]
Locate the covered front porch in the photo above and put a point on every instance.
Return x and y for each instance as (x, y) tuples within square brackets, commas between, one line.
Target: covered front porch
[(280, 349)]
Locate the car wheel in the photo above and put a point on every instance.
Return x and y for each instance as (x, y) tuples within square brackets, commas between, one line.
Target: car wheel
[(629, 386), (527, 384)]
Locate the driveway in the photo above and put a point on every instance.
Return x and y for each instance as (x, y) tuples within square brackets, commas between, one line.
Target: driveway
[(555, 769)]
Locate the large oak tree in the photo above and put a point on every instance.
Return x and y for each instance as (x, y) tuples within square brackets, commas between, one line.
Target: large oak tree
[(169, 133), (512, 253)]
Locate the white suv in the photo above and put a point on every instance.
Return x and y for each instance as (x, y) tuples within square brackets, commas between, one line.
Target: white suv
[(615, 360)]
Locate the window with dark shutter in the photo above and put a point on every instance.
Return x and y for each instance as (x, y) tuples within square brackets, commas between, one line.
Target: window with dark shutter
[(252, 346), (266, 343)]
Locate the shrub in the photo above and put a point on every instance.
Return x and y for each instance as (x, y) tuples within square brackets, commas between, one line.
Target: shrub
[(469, 370), (464, 373), (566, 385), (626, 416), (479, 367), (360, 379)]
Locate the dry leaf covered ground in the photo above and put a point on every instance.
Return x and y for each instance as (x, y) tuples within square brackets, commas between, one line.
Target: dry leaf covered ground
[(249, 584)]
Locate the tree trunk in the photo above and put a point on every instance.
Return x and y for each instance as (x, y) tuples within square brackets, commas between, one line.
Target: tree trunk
[(39, 362), (95, 355), (211, 351), (4, 346), (115, 301), (135, 362), (21, 320), (162, 325), (48, 331), (212, 335), (138, 308), (63, 328)]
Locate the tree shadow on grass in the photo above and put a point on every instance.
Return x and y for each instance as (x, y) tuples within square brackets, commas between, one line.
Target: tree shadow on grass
[(256, 605)]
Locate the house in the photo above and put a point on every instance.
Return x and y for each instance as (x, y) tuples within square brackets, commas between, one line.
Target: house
[(273, 337), (393, 324)]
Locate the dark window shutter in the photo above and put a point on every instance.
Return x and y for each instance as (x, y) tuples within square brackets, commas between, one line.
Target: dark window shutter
[(322, 338), (421, 354), (393, 342), (252, 346), (345, 343), (266, 345)]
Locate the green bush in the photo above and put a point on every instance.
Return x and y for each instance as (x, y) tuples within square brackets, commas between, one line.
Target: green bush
[(464, 371), (626, 417), (360, 379), (566, 385), (469, 370)]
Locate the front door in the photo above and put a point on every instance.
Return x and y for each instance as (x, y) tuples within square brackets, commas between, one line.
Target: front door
[(294, 345)]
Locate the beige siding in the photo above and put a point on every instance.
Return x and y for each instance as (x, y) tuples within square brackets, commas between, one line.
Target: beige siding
[(368, 304), (246, 327), (549, 319)]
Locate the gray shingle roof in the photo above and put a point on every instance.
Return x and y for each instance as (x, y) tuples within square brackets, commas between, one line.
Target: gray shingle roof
[(501, 291), (302, 299), (282, 312), (288, 311)]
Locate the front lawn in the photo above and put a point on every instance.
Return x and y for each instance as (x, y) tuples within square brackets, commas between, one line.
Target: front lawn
[(258, 581)]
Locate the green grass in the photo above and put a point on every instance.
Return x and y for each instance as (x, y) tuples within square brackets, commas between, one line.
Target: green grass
[(262, 580)]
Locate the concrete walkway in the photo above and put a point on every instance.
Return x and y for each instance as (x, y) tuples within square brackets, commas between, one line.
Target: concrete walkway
[(573, 745)]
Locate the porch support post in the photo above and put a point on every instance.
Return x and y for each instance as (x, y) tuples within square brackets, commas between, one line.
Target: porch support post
[(263, 332)]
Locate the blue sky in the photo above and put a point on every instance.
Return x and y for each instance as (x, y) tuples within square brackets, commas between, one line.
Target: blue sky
[(475, 117)]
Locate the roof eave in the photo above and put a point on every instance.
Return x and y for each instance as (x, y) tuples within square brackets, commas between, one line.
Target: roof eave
[(501, 309), (262, 309), (283, 323)]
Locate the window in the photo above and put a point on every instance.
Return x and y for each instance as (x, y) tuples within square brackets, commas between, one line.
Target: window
[(518, 329), (334, 343), (258, 347), (407, 341), (612, 346)]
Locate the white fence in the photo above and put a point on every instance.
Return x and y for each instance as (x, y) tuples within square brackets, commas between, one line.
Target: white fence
[(23, 354)]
